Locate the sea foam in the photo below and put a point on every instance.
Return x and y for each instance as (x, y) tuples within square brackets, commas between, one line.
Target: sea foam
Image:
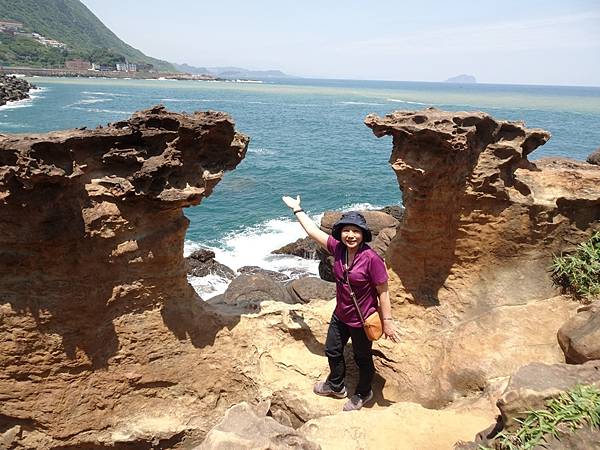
[(252, 246)]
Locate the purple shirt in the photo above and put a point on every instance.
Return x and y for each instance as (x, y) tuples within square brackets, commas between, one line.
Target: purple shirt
[(366, 271)]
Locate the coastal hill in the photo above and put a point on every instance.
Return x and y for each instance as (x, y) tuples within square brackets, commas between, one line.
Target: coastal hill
[(233, 72), (46, 34)]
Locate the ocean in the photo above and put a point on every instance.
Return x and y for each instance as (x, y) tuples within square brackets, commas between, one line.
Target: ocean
[(307, 137)]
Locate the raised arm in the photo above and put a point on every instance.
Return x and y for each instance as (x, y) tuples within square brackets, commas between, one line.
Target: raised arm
[(311, 228)]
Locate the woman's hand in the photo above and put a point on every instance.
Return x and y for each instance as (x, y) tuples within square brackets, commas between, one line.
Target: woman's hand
[(390, 332), (292, 203)]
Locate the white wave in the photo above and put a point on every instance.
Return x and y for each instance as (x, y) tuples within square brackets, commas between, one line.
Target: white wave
[(25, 103), (208, 286), (11, 125), (35, 92), (110, 94), (96, 110), (397, 100), (89, 101), (261, 151), (362, 103), (360, 207), (185, 100), (252, 246)]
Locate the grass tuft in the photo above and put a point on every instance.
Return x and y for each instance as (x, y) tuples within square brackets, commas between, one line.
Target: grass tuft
[(579, 272), (564, 414)]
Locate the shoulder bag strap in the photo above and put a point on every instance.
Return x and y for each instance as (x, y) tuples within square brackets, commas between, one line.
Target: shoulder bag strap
[(352, 296)]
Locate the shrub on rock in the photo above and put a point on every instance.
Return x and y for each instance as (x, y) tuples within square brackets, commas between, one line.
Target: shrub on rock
[(579, 273)]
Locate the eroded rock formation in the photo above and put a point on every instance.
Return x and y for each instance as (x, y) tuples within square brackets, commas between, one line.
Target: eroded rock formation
[(104, 344), (94, 302), (469, 264), (476, 206)]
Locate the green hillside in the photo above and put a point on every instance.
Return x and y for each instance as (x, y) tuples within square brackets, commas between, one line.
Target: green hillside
[(69, 22)]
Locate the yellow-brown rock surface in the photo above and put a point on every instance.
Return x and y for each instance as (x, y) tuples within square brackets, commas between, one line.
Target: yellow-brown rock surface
[(100, 332), (470, 262), (105, 345)]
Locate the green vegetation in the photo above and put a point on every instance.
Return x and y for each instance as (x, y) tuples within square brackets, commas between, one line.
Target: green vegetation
[(69, 22), (566, 413), (579, 273), (25, 51), (105, 57)]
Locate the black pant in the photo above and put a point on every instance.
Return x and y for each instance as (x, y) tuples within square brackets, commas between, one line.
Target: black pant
[(337, 338)]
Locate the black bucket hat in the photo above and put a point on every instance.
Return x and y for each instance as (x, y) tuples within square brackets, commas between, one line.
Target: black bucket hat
[(352, 218)]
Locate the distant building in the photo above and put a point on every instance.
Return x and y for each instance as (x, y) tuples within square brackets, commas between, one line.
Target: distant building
[(126, 67), (77, 64), (53, 43), (102, 67), (10, 25), (46, 41), (50, 42)]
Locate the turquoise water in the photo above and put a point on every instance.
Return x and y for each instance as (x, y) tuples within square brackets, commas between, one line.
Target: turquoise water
[(307, 137)]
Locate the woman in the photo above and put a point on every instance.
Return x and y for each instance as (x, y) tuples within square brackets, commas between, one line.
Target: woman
[(356, 262)]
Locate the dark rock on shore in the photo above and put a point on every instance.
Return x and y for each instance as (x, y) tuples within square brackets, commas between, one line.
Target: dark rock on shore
[(594, 157), (249, 290), (255, 270), (13, 89), (305, 289), (396, 211), (304, 248), (377, 220), (202, 263)]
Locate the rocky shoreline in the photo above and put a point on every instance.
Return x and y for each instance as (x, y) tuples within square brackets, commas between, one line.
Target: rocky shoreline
[(71, 73), (202, 262), (106, 345), (13, 89)]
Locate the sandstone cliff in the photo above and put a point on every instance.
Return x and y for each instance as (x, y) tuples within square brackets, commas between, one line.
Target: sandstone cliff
[(105, 345), (97, 320), (469, 263)]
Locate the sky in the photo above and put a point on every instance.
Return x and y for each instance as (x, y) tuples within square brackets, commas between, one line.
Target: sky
[(552, 42)]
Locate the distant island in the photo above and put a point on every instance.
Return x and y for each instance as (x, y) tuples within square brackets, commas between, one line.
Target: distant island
[(463, 78)]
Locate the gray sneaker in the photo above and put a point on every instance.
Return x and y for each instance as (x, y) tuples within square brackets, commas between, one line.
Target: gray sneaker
[(323, 388), (356, 402)]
